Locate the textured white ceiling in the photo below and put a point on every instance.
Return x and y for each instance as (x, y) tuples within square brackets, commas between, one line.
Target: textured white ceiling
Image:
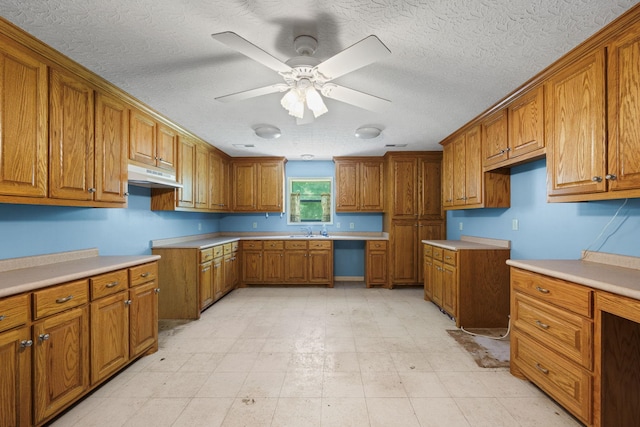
[(450, 60)]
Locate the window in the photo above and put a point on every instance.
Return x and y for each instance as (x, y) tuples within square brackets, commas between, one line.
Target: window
[(310, 201)]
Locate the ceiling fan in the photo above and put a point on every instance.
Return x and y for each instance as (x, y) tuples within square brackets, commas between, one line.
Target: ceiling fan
[(305, 77)]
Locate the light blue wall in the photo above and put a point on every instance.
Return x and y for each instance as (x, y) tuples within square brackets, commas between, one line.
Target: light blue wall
[(551, 230), (27, 230)]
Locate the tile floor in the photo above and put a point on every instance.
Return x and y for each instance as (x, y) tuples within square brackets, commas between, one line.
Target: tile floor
[(347, 356)]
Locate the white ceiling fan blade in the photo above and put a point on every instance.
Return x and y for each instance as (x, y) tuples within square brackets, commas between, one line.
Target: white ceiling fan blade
[(354, 97), (250, 50), (239, 96), (366, 51)]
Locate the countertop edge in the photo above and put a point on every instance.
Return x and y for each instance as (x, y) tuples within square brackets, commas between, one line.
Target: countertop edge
[(456, 245)]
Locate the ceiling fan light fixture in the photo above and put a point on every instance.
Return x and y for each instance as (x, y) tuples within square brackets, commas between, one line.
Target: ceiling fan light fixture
[(368, 132), (267, 132), (315, 102), (293, 103)]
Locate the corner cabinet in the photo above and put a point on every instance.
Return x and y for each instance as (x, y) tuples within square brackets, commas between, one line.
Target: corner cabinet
[(359, 184), (258, 184)]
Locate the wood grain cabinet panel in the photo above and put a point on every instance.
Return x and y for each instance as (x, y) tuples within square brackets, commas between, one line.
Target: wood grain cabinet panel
[(166, 147), (143, 318), (258, 184), (376, 263), (359, 184), (109, 335), (186, 171), (23, 123)]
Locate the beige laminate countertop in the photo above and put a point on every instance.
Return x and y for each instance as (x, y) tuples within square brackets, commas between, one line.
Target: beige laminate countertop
[(206, 241), (617, 274), (471, 243), (46, 270)]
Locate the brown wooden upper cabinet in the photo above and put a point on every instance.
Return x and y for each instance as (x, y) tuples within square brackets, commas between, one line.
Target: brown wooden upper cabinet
[(515, 134), (258, 184), (359, 184), (464, 184), (218, 181), (593, 127), (152, 143)]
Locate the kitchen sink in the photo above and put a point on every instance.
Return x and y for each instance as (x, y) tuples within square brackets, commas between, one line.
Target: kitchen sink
[(304, 236)]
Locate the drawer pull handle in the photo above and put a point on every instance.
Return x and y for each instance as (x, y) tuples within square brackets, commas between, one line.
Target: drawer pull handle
[(145, 274), (542, 325), (65, 299), (541, 369), (204, 270), (113, 284), (43, 337), (26, 343), (542, 290)]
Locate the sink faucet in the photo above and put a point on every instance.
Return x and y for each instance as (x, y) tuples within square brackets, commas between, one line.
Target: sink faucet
[(308, 229)]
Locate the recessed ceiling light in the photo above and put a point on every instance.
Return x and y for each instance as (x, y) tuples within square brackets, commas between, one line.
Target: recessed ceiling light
[(267, 132), (367, 132), (307, 156)]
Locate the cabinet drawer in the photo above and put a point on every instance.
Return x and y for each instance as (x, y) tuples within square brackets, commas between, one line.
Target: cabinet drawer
[(438, 253), (273, 244), (14, 311), (566, 382), (109, 283), (571, 335), (206, 255), (295, 244), (143, 273), (234, 246), (378, 244), (218, 251), (60, 298), (251, 244), (428, 250), (450, 257), (226, 248), (569, 296), (325, 244)]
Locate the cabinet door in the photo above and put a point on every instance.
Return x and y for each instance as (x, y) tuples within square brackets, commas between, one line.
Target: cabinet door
[(218, 182), (273, 266), (526, 123), (61, 361), (228, 269), (202, 177), (143, 138), (473, 167), (143, 318), (186, 165), (244, 186), (405, 181), (447, 175), (624, 111), (109, 335), (252, 266), (430, 188), (376, 263), (427, 230), (404, 252), (219, 278), (71, 125), (205, 281), (112, 142), (296, 266), (428, 277), (459, 170), (320, 266), (576, 127), (449, 290), (167, 147), (346, 186), (437, 280), (23, 123), (270, 184), (495, 139), (371, 186), (15, 371)]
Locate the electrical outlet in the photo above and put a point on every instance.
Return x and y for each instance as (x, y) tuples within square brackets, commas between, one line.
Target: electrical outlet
[(352, 225), (460, 226), (199, 226), (337, 225), (514, 224), (255, 225)]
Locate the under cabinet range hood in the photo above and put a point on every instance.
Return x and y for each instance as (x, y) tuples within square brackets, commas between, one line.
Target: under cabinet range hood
[(141, 176)]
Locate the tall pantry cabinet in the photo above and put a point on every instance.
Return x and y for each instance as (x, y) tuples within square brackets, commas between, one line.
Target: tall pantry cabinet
[(413, 211)]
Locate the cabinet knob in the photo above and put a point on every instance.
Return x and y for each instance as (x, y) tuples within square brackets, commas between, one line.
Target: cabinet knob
[(127, 302), (126, 194), (156, 290), (43, 337), (611, 177), (26, 343), (92, 190), (596, 179), (143, 275)]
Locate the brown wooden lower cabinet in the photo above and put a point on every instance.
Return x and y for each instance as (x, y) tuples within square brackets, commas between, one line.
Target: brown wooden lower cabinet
[(376, 259), (59, 342)]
